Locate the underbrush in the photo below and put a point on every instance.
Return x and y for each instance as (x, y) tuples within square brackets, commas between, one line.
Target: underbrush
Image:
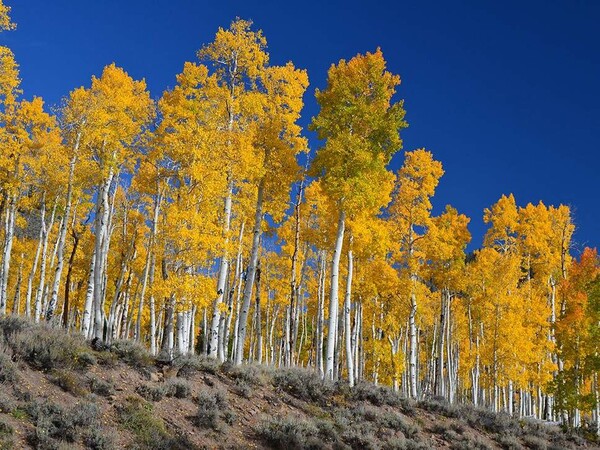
[(150, 432)]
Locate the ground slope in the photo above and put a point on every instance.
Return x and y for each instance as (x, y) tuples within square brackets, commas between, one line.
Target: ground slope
[(58, 393)]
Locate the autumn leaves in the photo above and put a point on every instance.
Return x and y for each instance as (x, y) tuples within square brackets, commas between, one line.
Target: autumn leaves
[(174, 225)]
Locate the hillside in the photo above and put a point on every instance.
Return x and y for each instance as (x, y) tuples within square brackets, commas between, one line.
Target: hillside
[(59, 393)]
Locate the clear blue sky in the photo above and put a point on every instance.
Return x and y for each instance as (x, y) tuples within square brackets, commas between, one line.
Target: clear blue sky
[(505, 94)]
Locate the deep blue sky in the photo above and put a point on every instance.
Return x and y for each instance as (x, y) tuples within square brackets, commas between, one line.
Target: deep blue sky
[(506, 95)]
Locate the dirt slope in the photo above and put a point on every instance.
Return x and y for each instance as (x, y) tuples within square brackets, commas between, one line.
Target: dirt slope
[(58, 393)]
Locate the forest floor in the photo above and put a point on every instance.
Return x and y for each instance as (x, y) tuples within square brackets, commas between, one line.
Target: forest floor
[(58, 393)]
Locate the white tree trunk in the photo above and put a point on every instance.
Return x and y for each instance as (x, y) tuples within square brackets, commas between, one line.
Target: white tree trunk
[(101, 232), (348, 331), (333, 298), (9, 232), (62, 235), (36, 259), (40, 290), (251, 273), (412, 354), (87, 324), (148, 276), (221, 282)]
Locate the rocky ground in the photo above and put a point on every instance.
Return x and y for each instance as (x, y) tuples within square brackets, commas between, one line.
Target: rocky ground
[(58, 393)]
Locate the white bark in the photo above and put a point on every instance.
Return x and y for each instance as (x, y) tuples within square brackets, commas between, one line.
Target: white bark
[(251, 273), (149, 276), (101, 232), (9, 231), (412, 354), (62, 235), (87, 324), (36, 259), (333, 298), (42, 282), (348, 332), (221, 282)]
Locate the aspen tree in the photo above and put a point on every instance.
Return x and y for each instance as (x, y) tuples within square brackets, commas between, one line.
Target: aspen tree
[(411, 218), (360, 126)]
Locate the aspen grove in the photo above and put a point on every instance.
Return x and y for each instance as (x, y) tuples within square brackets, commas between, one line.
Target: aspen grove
[(203, 223)]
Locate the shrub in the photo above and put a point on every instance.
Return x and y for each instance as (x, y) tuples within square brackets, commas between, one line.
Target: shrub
[(439, 405), (136, 416), (107, 359), (377, 395), (303, 384), (7, 439), (509, 442), (290, 433), (178, 388), (211, 404), (251, 374), (361, 436), (11, 325), (243, 389), (132, 353), (86, 359), (535, 443), (8, 369), (496, 423), (54, 424), (96, 439), (7, 404), (101, 387), (151, 392), (190, 364), (68, 382), (468, 443), (46, 348)]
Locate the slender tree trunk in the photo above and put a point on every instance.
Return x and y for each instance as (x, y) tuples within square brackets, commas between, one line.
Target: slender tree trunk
[(42, 282), (66, 307), (62, 235), (87, 326), (251, 273), (412, 358), (321, 312), (235, 285), (101, 232), (17, 298), (439, 379), (167, 339), (9, 232), (347, 331), (294, 281), (223, 270), (37, 258), (148, 273), (259, 340), (333, 297)]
